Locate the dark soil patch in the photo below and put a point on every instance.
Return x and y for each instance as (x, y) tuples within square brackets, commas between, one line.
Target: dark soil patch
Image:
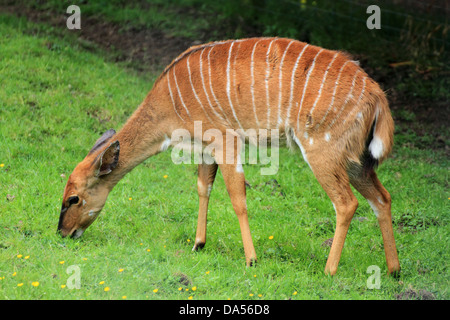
[(411, 294), (147, 50)]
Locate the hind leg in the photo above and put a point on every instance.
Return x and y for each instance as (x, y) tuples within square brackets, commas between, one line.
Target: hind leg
[(334, 180), (370, 187), (345, 205)]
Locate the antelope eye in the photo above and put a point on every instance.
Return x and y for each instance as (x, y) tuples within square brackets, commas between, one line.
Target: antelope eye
[(73, 200)]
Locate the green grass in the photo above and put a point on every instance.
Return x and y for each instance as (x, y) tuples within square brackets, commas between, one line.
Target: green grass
[(55, 101)]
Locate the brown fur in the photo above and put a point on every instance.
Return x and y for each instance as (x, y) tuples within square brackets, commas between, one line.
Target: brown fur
[(322, 99)]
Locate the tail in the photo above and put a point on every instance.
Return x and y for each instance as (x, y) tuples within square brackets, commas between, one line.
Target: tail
[(381, 139)]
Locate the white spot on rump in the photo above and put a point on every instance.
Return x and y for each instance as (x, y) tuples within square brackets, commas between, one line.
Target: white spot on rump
[(327, 136), (376, 147)]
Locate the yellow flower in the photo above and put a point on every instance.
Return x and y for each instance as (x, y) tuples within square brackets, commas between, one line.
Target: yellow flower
[(148, 250), (106, 289), (194, 288), (271, 237), (188, 240), (14, 274), (251, 294), (120, 270), (61, 262), (130, 198), (190, 298), (141, 244), (19, 256), (63, 286), (101, 282), (180, 288), (207, 272), (35, 283), (26, 257), (165, 176), (260, 295), (124, 297), (2, 165), (20, 284), (84, 259), (295, 292), (155, 290)]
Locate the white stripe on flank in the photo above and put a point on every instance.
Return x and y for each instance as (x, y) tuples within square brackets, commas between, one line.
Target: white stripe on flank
[(347, 99), (334, 93), (301, 149), (292, 85), (234, 73), (252, 63), (266, 81), (228, 84), (204, 87), (323, 82), (193, 89), (358, 102), (212, 91), (179, 93), (305, 85), (171, 97), (280, 83)]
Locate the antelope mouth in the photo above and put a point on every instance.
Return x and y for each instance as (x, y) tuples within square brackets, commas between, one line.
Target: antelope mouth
[(73, 234), (77, 233)]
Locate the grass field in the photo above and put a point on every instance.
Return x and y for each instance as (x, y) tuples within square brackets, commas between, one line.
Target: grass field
[(57, 98)]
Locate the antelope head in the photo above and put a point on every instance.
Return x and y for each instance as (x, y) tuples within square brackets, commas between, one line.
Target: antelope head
[(88, 187)]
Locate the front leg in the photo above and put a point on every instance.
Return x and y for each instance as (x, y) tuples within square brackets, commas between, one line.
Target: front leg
[(206, 176), (233, 176)]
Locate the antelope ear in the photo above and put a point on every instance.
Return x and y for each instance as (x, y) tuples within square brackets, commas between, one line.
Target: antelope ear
[(102, 140), (107, 160)]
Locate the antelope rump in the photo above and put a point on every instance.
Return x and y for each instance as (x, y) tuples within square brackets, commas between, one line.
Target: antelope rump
[(321, 99)]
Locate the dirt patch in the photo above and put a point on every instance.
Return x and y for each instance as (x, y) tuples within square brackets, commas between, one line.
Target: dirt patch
[(146, 49), (182, 279), (327, 243), (411, 294)]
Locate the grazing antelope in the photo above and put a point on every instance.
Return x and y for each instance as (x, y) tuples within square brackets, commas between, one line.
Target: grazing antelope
[(323, 101)]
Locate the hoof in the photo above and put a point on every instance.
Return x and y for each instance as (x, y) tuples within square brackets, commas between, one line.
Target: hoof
[(395, 273), (198, 246), (251, 263)]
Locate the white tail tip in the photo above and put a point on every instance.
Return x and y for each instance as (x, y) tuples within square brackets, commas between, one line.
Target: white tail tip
[(376, 147)]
